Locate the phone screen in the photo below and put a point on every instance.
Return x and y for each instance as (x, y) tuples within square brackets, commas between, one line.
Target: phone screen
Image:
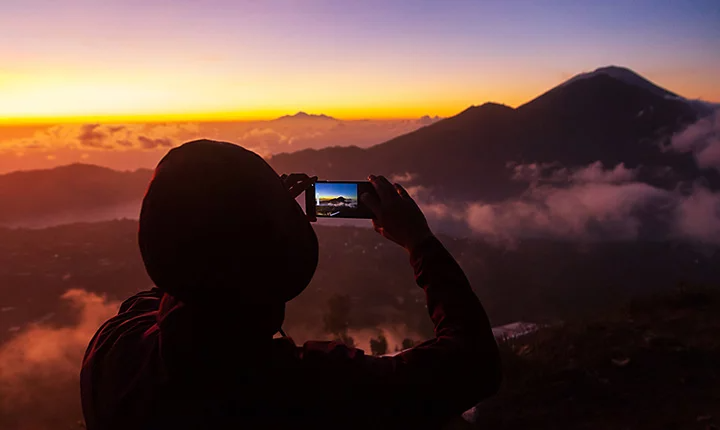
[(339, 199)]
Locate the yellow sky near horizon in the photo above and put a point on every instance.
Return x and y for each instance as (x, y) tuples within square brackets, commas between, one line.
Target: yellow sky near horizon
[(49, 98)]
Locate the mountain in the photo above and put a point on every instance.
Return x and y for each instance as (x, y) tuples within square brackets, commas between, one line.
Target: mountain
[(336, 200), (302, 116), (73, 192), (611, 115), (626, 75)]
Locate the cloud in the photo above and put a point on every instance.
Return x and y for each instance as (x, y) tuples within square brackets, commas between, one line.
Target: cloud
[(150, 143), (427, 120), (702, 139), (91, 135), (593, 211), (264, 141), (555, 173), (596, 173), (532, 172), (404, 178), (39, 368), (264, 137), (104, 137), (698, 216), (587, 203)]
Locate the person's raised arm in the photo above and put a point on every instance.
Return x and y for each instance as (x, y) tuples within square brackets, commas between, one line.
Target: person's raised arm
[(451, 373)]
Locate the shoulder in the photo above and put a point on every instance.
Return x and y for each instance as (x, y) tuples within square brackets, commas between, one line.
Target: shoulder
[(122, 360), (136, 320), (144, 301)]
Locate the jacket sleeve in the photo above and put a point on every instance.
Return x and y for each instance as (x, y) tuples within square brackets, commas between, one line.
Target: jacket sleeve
[(443, 377), (461, 366)]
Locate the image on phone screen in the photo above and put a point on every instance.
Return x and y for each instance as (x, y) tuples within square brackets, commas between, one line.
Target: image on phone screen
[(335, 199)]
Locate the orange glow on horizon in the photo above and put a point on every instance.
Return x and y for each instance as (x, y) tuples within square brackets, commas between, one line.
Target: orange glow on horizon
[(65, 97), (61, 95), (256, 115), (388, 112)]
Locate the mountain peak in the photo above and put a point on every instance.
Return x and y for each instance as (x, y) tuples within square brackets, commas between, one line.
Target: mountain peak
[(487, 107), (305, 115), (625, 75)]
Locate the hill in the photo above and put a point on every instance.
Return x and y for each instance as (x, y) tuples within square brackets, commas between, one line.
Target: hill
[(651, 365), (76, 192)]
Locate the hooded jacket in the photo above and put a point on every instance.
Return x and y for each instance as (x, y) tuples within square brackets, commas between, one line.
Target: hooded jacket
[(197, 350)]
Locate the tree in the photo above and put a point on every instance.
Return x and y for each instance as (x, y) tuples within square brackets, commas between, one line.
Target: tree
[(407, 343), (379, 346), (337, 318)]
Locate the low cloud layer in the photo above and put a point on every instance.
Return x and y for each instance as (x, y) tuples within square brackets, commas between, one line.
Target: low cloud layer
[(593, 211), (698, 216), (702, 139), (591, 203), (89, 137), (554, 173), (39, 368), (92, 143)]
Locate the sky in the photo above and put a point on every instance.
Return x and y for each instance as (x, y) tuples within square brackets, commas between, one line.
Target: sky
[(332, 190), (105, 60)]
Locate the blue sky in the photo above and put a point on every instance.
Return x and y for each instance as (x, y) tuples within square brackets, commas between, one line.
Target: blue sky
[(330, 190)]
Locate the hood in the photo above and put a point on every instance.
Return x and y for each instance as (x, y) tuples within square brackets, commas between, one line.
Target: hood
[(217, 224)]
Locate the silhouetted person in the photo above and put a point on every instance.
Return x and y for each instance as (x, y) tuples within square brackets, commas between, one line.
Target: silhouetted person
[(226, 245)]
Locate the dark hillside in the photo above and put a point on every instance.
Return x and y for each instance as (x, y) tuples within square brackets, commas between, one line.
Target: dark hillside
[(653, 365)]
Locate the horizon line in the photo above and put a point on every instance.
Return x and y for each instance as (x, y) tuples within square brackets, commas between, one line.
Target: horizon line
[(211, 117)]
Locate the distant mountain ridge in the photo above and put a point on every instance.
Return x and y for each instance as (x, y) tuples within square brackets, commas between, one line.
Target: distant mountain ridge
[(611, 116), (336, 201), (305, 116), (72, 192)]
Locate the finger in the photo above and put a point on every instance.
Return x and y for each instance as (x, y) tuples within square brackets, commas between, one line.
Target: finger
[(384, 188), (298, 188), (406, 196), (372, 202), (296, 177), (401, 191), (303, 182)]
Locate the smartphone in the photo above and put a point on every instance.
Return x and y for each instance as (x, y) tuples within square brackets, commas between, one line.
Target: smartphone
[(339, 199)]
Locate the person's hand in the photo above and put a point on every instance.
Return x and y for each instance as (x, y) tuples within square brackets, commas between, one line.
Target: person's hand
[(297, 183), (397, 216)]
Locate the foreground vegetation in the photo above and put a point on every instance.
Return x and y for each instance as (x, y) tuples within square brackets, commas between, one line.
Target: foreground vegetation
[(653, 365)]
